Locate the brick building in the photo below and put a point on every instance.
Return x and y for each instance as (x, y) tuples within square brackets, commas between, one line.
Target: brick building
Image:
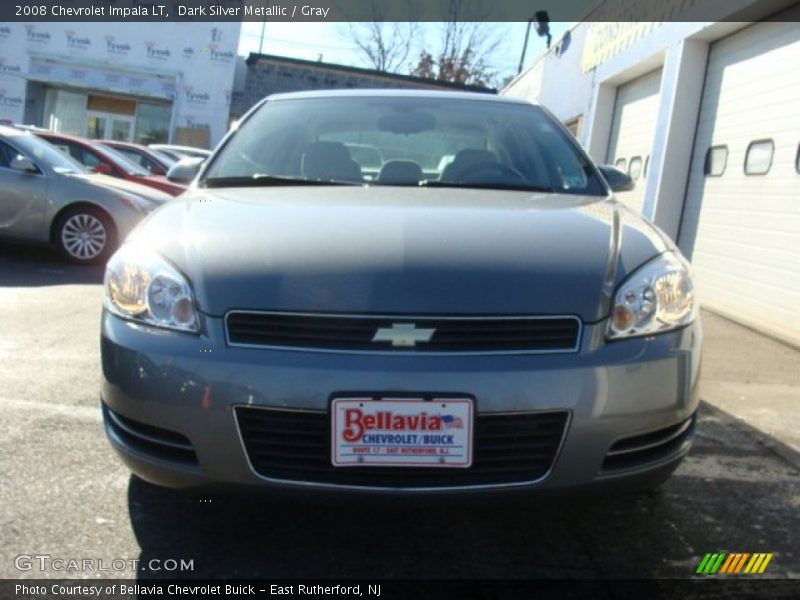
[(263, 74)]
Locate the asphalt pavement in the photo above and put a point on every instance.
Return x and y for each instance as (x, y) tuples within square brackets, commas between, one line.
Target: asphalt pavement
[(64, 494)]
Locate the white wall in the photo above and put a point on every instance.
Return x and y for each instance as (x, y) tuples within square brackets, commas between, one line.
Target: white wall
[(191, 64), (680, 48), (555, 79)]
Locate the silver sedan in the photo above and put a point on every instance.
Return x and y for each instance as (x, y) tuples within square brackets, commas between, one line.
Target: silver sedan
[(477, 314), (47, 197)]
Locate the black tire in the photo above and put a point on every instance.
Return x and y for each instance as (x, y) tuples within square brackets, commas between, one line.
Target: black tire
[(85, 235)]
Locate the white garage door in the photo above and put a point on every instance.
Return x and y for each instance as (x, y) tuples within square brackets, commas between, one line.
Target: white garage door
[(632, 132), (742, 217)]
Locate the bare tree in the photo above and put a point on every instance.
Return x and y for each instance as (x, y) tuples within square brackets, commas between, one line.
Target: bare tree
[(462, 53), (386, 45), (466, 49)]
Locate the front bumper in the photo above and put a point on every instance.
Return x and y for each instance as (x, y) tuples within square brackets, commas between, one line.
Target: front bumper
[(169, 401)]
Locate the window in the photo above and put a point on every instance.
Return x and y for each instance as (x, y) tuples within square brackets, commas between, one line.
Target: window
[(635, 167), (716, 161), (64, 148), (89, 160), (6, 154), (86, 158), (346, 139), (139, 159), (574, 125), (152, 123), (758, 159), (621, 163)]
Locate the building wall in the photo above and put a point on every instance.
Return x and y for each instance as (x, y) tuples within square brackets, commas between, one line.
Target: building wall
[(603, 59), (273, 75), (190, 66), (545, 82)]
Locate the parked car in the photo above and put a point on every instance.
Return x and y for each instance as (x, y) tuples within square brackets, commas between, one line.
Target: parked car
[(157, 163), (505, 325), (100, 158), (49, 198), (179, 152)]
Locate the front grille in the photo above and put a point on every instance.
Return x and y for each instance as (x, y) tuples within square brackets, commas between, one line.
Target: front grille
[(639, 450), (296, 446), (451, 334)]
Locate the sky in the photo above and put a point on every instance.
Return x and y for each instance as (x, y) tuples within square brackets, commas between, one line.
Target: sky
[(334, 43)]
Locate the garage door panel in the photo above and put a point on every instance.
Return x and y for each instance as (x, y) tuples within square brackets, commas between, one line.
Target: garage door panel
[(743, 231), (756, 209), (633, 128), (780, 242), (743, 308), (738, 284), (764, 266)]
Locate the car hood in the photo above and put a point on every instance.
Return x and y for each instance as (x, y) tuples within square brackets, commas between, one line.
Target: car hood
[(116, 183), (160, 182), (399, 250)]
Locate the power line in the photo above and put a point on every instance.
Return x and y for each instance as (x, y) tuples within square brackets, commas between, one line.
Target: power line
[(268, 39)]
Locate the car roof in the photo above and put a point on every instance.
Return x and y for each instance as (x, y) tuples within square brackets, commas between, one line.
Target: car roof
[(63, 136), (95, 146), (130, 145), (11, 131), (394, 93), (177, 147)]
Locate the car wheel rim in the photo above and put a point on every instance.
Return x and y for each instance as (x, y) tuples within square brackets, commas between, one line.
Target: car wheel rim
[(83, 236)]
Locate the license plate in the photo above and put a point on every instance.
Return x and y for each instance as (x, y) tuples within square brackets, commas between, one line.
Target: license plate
[(401, 432)]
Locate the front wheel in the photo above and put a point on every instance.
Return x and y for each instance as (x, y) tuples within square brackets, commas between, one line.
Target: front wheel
[(85, 235)]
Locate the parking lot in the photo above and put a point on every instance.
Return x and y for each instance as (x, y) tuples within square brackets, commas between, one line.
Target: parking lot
[(65, 494)]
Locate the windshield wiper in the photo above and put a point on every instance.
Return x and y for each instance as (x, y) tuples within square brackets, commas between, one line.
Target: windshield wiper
[(485, 185), (268, 180)]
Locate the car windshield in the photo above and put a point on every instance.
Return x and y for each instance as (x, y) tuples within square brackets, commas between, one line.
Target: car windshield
[(166, 160), (125, 163), (44, 152), (413, 141)]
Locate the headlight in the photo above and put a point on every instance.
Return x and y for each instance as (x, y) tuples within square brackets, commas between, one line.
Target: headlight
[(657, 297), (142, 286)]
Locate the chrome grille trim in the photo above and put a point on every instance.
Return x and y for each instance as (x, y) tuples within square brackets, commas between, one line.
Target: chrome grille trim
[(419, 320)]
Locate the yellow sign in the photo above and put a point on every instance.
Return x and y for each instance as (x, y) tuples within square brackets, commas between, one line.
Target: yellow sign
[(604, 40), (617, 24)]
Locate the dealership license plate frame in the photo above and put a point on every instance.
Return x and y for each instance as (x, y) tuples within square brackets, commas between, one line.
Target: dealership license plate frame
[(459, 452)]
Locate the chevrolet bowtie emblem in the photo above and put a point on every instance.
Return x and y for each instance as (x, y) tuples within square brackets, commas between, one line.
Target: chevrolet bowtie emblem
[(403, 335)]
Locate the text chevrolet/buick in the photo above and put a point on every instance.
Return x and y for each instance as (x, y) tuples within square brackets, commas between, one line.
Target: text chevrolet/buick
[(473, 312)]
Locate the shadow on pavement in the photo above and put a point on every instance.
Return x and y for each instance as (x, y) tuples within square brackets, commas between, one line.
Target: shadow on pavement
[(731, 494), (34, 266)]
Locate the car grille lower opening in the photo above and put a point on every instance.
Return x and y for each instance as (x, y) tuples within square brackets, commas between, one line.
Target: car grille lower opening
[(451, 334), (147, 439), (296, 446), (639, 450)]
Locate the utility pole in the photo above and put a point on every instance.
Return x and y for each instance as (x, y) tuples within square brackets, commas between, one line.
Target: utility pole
[(524, 47), (261, 41)]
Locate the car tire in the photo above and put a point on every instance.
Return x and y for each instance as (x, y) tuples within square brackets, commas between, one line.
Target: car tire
[(85, 235)]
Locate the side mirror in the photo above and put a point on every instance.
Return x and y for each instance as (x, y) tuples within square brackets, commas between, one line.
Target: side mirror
[(103, 169), (618, 181), (185, 170), (23, 163)]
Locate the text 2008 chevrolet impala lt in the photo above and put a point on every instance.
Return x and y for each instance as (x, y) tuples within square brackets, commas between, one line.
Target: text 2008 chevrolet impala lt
[(475, 313)]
